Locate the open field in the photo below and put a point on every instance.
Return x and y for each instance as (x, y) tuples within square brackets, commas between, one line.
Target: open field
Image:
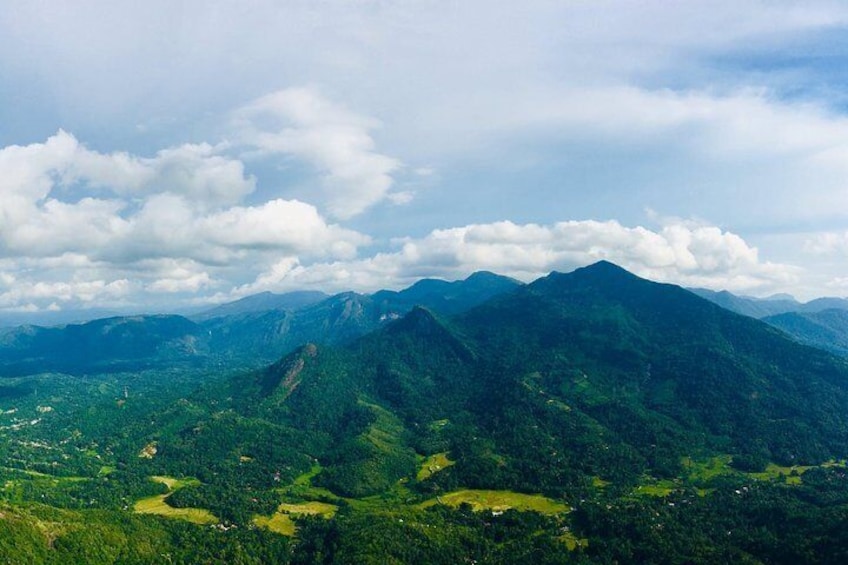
[(303, 489), (278, 523), (705, 469), (281, 522), (157, 505), (572, 542), (499, 500), (175, 484), (433, 464), (699, 472)]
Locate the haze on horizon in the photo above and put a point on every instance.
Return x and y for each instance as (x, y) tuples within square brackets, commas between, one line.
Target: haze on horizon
[(161, 155)]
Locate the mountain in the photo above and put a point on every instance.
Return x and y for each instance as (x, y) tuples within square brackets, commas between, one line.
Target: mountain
[(594, 373), (825, 303), (254, 330), (632, 401), (340, 318), (446, 297), (51, 318), (108, 344), (270, 334), (590, 416), (771, 306), (749, 306), (827, 329), (262, 302)]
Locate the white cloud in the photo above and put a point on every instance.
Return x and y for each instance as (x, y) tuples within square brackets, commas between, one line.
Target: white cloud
[(79, 226), (178, 203), (300, 122), (832, 243), (85, 291)]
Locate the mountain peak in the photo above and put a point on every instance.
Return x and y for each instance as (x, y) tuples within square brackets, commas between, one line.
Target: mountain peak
[(605, 268), (478, 276), (419, 320), (596, 275)]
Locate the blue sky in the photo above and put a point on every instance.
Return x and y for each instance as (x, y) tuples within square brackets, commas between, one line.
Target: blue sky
[(158, 155)]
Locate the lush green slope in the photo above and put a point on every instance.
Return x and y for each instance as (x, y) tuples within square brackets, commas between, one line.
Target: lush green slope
[(826, 330), (109, 344), (748, 306), (263, 302)]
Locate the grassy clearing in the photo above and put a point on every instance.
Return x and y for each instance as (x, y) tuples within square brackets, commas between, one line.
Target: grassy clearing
[(54, 479), (433, 464), (278, 523), (572, 542), (704, 470), (600, 483), (310, 508), (437, 425), (281, 522), (306, 478), (698, 473), (302, 488), (659, 488), (791, 475), (175, 484), (499, 500), (157, 505)]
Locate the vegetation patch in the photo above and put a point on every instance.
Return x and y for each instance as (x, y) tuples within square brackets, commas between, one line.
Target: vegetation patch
[(157, 504), (699, 472), (278, 523), (707, 469), (572, 542), (600, 483), (281, 521), (433, 464), (660, 488), (174, 483), (498, 501), (311, 508), (303, 489), (791, 475)]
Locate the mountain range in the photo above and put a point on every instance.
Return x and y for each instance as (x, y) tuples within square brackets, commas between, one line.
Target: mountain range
[(627, 420), (256, 330)]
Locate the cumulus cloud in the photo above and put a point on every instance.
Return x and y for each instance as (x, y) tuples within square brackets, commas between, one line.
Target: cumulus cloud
[(178, 203), (196, 171), (77, 225), (79, 291), (301, 123)]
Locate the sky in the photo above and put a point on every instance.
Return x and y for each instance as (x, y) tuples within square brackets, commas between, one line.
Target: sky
[(159, 155)]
